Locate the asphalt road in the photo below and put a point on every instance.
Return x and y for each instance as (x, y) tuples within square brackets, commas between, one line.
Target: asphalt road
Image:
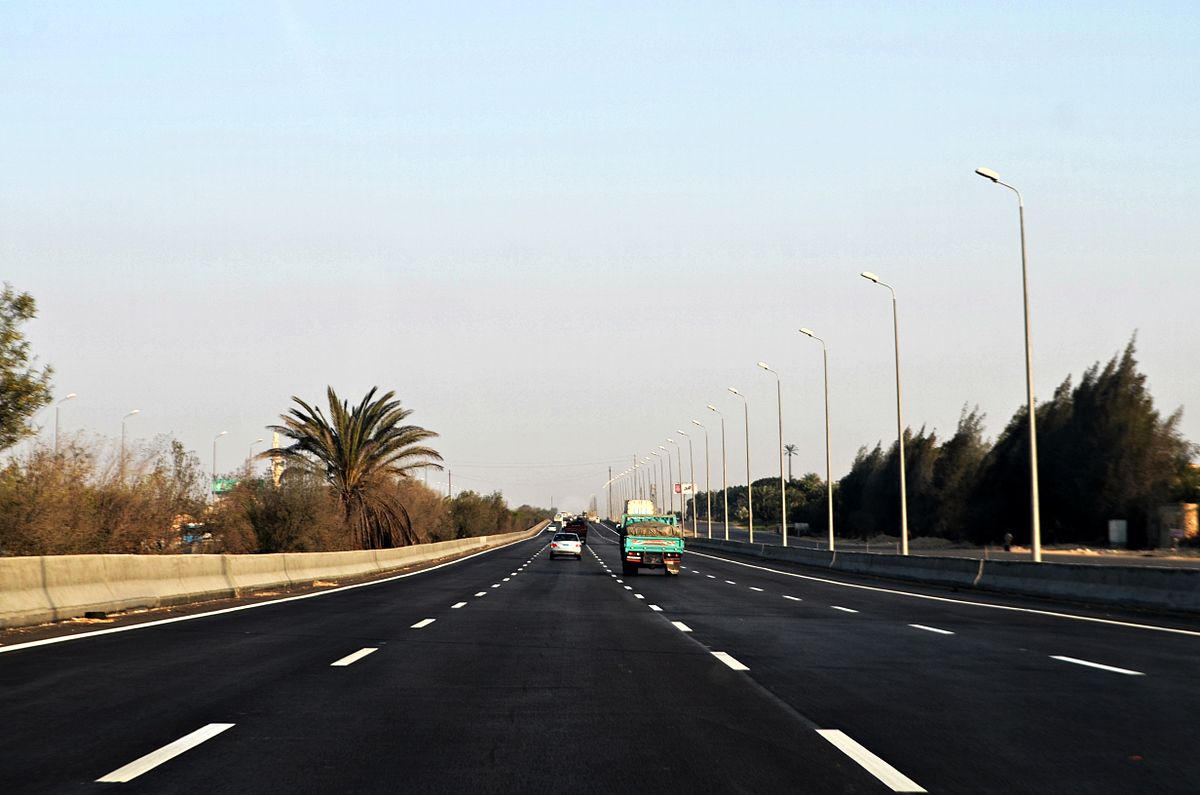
[(508, 672)]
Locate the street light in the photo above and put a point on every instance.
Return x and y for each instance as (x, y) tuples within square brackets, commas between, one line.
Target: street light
[(661, 476), (214, 465), (1035, 511), (121, 462), (707, 479), (749, 482), (724, 474), (828, 479), (71, 396), (692, 477), (782, 481), (678, 458), (899, 420), (670, 481)]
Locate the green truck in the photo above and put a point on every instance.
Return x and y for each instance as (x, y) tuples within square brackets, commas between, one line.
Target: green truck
[(649, 540)]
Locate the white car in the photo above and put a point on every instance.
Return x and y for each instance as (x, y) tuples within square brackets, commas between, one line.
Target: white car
[(566, 544)]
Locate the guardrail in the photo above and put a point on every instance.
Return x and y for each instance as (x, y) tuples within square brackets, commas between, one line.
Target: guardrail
[(1148, 587), (35, 590)]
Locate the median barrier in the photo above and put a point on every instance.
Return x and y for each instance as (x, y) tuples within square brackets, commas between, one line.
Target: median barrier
[(35, 590), (23, 596), (1147, 587)]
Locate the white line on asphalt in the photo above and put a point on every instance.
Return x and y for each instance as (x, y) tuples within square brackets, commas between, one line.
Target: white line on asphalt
[(457, 605), (888, 775), (255, 605), (682, 627), (628, 587), (730, 582), (843, 609), (752, 588), (1050, 613), (620, 581), (793, 598), (482, 593), (506, 579), (656, 608), (639, 596), (423, 623), (1111, 668), (730, 661), (709, 576), (350, 659), (155, 758), (931, 629), (496, 585)]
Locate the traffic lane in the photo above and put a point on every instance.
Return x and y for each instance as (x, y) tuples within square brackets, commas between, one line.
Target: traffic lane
[(1123, 639), (836, 665), (90, 698), (557, 684)]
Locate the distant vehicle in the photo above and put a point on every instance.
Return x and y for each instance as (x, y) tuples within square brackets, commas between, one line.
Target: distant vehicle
[(566, 544), (650, 541), (558, 518), (578, 526), (592, 516)]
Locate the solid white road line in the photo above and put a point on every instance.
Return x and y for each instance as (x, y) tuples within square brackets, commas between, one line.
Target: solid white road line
[(155, 758), (877, 589), (931, 629), (457, 605), (482, 593), (730, 661), (888, 775), (752, 588), (793, 598), (843, 609), (423, 623), (682, 627), (350, 659), (1110, 668), (195, 616), (656, 608)]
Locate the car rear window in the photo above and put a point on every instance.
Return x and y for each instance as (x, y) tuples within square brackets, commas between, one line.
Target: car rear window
[(565, 537)]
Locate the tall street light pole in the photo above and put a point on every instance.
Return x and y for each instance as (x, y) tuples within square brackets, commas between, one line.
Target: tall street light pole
[(899, 414), (691, 477), (1035, 511), (828, 478), (749, 480), (121, 461), (707, 479), (724, 470), (679, 469), (71, 396), (214, 463), (782, 480), (670, 480)]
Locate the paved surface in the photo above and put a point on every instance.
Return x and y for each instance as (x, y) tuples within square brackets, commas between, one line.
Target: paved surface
[(770, 535), (548, 676)]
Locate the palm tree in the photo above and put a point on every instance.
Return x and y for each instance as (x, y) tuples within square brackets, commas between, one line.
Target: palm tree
[(360, 452), (790, 450)]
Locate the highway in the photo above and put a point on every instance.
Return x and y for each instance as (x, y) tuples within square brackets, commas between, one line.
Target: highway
[(508, 672)]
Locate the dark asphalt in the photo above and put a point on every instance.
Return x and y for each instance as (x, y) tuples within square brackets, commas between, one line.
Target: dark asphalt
[(563, 679)]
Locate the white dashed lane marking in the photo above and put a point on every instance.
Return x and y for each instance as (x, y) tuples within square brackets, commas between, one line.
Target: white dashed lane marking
[(1110, 668), (888, 775), (656, 608), (423, 623), (793, 598), (168, 752), (843, 609), (729, 660), (482, 593), (752, 588), (457, 605), (682, 627), (350, 659), (932, 629)]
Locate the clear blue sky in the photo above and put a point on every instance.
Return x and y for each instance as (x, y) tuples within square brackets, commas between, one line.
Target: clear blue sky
[(559, 230)]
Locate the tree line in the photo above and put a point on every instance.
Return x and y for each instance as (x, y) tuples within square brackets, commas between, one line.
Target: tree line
[(1104, 452)]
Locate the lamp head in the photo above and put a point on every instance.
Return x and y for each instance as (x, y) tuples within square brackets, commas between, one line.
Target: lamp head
[(808, 332), (134, 411), (764, 365), (987, 173), (711, 407), (669, 439), (734, 391), (697, 423), (681, 433), (69, 397), (869, 276)]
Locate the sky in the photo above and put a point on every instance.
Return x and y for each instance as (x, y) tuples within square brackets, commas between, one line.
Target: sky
[(559, 230)]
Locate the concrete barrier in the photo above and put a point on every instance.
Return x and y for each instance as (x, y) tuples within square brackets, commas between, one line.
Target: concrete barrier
[(1147, 587), (35, 590)]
